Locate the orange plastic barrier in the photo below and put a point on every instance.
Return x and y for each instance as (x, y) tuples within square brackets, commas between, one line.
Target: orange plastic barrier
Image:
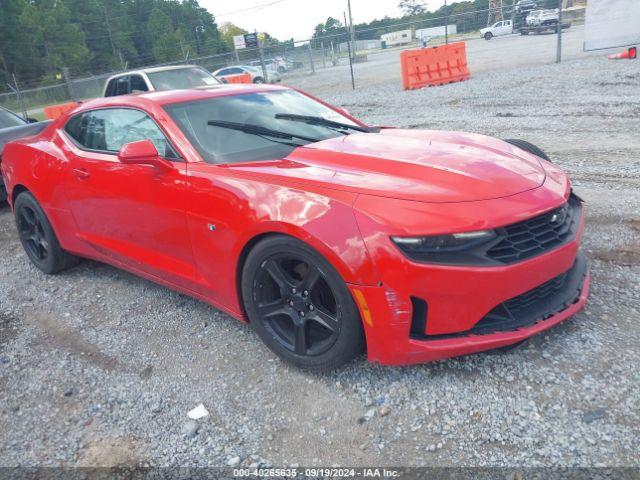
[(427, 67), (54, 111), (240, 78)]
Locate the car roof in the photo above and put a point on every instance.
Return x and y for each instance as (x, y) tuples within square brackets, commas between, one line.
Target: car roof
[(169, 97), (155, 69), (236, 66)]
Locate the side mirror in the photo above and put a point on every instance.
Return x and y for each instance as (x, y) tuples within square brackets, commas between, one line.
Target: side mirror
[(142, 153)]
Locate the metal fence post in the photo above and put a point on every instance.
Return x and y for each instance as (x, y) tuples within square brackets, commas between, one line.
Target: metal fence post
[(353, 82), (446, 25), (313, 68), (19, 95), (559, 47)]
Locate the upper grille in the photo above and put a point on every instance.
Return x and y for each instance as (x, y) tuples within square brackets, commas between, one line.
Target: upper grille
[(537, 235)]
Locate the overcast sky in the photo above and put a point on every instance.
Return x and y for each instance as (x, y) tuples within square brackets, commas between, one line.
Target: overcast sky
[(297, 18)]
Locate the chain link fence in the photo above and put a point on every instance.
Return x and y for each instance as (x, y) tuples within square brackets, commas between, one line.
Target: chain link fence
[(323, 64)]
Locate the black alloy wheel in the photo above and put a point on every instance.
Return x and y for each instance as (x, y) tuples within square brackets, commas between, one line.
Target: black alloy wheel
[(32, 234), (296, 305), (37, 236), (299, 305)]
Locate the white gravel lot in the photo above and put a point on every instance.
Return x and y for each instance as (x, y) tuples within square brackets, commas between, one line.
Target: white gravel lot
[(98, 367)]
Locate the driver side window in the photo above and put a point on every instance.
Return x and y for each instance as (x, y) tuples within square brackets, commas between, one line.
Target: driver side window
[(109, 129)]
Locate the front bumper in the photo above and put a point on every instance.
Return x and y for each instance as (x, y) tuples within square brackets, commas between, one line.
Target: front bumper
[(394, 344), (463, 306)]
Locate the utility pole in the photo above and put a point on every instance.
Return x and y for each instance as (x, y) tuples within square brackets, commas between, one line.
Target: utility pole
[(559, 50), (496, 11), (353, 32), (198, 29), (113, 45), (264, 68), (353, 82)]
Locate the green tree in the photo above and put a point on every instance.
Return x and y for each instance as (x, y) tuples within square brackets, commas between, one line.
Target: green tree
[(17, 53), (412, 8), (165, 43), (227, 31), (61, 42), (332, 28)]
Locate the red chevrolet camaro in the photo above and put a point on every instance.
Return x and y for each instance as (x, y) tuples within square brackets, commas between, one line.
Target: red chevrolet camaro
[(329, 236)]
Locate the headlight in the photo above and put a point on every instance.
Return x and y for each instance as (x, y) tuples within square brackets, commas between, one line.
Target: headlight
[(456, 248)]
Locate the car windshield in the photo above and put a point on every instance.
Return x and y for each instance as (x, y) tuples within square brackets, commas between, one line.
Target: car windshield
[(8, 119), (180, 78), (219, 144)]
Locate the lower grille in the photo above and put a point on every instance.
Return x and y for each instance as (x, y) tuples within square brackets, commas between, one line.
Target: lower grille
[(529, 308)]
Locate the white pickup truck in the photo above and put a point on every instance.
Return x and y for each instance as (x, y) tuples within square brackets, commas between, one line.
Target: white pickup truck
[(536, 21), (503, 27)]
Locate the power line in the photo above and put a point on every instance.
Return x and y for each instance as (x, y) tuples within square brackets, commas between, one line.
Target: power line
[(257, 7)]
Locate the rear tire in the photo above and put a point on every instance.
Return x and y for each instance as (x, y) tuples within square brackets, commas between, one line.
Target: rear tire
[(299, 305), (258, 80), (528, 147), (38, 238)]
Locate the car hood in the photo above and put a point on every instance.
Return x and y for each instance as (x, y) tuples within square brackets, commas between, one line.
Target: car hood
[(420, 165)]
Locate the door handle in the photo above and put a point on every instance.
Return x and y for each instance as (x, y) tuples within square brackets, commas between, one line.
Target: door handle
[(81, 173)]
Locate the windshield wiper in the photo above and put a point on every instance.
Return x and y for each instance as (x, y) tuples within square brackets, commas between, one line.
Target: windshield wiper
[(311, 120), (259, 130)]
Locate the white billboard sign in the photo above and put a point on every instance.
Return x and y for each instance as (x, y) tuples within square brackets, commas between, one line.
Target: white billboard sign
[(238, 42), (612, 24)]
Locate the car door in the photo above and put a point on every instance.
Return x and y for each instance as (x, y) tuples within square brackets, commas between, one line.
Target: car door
[(232, 71), (133, 214), (222, 73)]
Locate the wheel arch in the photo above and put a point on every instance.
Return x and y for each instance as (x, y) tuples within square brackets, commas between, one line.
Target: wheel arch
[(17, 190), (364, 273)]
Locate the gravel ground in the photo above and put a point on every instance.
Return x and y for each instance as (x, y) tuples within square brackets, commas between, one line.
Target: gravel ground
[(98, 367)]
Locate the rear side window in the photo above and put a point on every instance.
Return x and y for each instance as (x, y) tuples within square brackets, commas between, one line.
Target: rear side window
[(111, 88), (108, 130), (138, 84), (122, 86)]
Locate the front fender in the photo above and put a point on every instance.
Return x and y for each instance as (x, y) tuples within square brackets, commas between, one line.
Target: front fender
[(240, 209)]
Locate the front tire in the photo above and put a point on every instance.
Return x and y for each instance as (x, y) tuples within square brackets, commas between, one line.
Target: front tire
[(299, 305), (38, 238), (488, 36), (528, 147)]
